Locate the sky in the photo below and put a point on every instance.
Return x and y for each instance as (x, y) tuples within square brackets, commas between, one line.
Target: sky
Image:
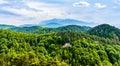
[(18, 12)]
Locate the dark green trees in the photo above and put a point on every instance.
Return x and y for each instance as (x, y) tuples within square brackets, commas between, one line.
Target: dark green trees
[(106, 31), (21, 49)]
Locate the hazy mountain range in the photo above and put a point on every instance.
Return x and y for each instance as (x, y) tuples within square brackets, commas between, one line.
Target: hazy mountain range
[(103, 30), (61, 25), (69, 44), (42, 30), (53, 23)]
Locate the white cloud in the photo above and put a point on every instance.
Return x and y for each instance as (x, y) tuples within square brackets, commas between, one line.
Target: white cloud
[(115, 7), (37, 15), (118, 1), (46, 8), (81, 4), (13, 20), (49, 10), (99, 5), (34, 11), (3, 2), (41, 11), (23, 11)]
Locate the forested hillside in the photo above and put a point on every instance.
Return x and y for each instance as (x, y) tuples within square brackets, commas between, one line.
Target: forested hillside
[(73, 28), (105, 30), (3, 26), (57, 49), (43, 30), (59, 33)]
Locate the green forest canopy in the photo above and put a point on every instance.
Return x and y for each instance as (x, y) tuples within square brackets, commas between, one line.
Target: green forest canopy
[(22, 49)]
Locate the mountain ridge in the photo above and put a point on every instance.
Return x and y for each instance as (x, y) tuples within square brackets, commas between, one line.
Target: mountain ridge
[(39, 29), (56, 22), (64, 22), (105, 30), (50, 50)]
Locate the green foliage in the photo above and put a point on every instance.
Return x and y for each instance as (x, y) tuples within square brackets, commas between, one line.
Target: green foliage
[(73, 28), (106, 31), (41, 30), (21, 49)]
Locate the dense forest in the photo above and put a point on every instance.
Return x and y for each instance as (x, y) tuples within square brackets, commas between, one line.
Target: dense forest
[(106, 31), (44, 30), (61, 48)]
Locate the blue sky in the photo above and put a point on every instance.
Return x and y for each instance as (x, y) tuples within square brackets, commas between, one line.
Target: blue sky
[(17, 12)]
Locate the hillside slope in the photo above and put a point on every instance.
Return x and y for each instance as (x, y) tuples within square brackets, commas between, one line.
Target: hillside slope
[(105, 30), (57, 49), (73, 28), (41, 30)]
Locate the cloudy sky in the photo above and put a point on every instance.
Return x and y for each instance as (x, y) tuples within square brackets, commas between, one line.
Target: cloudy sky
[(17, 12)]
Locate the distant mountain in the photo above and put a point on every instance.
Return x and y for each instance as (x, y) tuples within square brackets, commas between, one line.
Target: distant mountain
[(19, 28), (42, 30), (73, 28), (3, 26), (26, 29), (106, 31), (53, 23), (27, 25)]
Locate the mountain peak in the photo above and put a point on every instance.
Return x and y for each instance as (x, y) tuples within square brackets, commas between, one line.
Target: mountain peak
[(105, 25), (105, 30), (27, 25), (63, 22)]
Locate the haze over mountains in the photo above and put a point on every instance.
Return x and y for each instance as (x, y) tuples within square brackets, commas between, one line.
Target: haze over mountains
[(53, 23), (70, 45), (59, 32), (103, 30), (59, 40), (43, 30)]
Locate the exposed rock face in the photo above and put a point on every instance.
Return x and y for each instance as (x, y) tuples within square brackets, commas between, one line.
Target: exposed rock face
[(66, 45)]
